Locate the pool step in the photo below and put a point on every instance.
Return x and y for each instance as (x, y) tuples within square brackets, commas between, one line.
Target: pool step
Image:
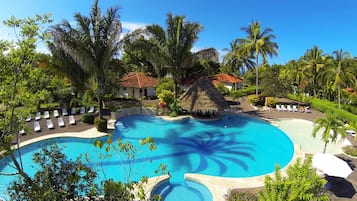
[(120, 126)]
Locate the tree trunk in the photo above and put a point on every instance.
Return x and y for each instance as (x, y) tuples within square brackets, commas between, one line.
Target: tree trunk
[(325, 147), (256, 77), (339, 96), (20, 170), (100, 104), (175, 90)]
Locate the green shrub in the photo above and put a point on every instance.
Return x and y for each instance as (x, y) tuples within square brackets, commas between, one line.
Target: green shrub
[(166, 96), (326, 106), (117, 191), (222, 89), (235, 195), (165, 84), (88, 118), (100, 124), (270, 101), (243, 92), (253, 99), (350, 150)]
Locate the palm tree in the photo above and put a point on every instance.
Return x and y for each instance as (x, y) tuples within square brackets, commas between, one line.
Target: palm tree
[(67, 67), (92, 44), (338, 73), (258, 43), (170, 48), (236, 59), (331, 127), (294, 74), (314, 61)]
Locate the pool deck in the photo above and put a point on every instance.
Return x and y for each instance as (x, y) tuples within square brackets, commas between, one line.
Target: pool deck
[(217, 185)]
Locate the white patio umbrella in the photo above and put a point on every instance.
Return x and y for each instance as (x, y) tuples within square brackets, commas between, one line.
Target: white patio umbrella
[(331, 165)]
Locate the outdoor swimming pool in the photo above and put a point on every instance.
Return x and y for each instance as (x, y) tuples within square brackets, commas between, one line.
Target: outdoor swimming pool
[(232, 146)]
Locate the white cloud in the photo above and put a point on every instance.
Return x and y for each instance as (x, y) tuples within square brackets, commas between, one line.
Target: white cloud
[(131, 26)]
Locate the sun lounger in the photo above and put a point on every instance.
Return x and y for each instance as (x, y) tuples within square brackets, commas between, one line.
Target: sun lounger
[(38, 116), (46, 115), (295, 108), (91, 109), (82, 110), (71, 120), (307, 109), (283, 108), (55, 113), (22, 132), (73, 111), (49, 124), (36, 126), (28, 118), (64, 112), (60, 122), (289, 108), (278, 108)]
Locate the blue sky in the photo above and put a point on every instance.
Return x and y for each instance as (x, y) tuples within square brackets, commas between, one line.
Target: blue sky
[(297, 24)]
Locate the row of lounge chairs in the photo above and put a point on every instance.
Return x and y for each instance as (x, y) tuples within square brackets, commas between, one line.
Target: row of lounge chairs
[(49, 124), (289, 108), (56, 113)]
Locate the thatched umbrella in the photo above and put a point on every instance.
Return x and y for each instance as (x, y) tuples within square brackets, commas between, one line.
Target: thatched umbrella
[(203, 98)]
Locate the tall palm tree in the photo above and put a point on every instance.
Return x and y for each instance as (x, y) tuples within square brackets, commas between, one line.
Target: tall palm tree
[(236, 59), (92, 44), (170, 47), (67, 67), (294, 74), (331, 127), (338, 73), (314, 61), (258, 43)]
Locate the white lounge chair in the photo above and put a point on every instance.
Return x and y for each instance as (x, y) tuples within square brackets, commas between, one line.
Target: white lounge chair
[(289, 108), (307, 109), (28, 118), (91, 109), (38, 116), (55, 113), (82, 110), (71, 120), (60, 122), (49, 124), (278, 108), (36, 126), (73, 111), (64, 112), (295, 108), (22, 132), (46, 115), (283, 108)]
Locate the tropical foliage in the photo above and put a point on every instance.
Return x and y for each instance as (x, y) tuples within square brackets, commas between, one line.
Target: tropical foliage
[(331, 127), (92, 44), (301, 183), (169, 50), (258, 42), (58, 178)]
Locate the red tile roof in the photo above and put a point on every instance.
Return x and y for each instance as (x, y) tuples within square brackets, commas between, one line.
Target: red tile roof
[(138, 80), (225, 78)]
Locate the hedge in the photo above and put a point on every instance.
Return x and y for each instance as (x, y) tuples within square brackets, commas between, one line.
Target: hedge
[(88, 118), (100, 124), (325, 106)]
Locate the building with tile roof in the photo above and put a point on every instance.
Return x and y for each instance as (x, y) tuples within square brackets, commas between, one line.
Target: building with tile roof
[(136, 85), (230, 81)]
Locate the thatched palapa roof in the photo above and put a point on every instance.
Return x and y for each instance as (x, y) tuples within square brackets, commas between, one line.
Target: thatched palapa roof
[(202, 96)]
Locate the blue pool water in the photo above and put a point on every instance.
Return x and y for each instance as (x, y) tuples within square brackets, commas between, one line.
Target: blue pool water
[(188, 190), (233, 146)]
